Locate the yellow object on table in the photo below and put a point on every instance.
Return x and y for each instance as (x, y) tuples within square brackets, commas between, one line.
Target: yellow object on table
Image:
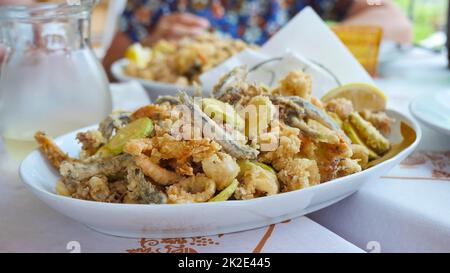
[(363, 42)]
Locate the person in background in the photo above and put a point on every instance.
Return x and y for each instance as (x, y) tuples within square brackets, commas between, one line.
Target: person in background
[(148, 21)]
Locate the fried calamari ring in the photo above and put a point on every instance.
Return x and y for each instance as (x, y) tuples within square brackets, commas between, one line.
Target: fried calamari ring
[(194, 189)]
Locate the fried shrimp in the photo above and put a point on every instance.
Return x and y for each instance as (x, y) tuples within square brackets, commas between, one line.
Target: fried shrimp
[(157, 173), (199, 188), (221, 168), (180, 152), (48, 147), (106, 166), (153, 111)]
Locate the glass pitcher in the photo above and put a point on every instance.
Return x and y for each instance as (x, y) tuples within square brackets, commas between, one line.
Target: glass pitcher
[(50, 79)]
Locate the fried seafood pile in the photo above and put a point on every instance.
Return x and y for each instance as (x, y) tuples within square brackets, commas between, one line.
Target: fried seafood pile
[(183, 62), (184, 150)]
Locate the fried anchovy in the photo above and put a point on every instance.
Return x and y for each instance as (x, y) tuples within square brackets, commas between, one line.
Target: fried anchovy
[(114, 121), (299, 108), (231, 146), (105, 166), (231, 83), (170, 99), (142, 190)]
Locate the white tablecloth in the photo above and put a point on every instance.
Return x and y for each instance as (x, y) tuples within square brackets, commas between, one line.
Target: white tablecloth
[(28, 225), (408, 210)]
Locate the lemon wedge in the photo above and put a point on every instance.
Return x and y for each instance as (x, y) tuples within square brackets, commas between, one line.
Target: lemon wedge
[(363, 96), (139, 55)]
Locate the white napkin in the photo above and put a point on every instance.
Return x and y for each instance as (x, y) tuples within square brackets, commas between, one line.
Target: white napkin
[(128, 96)]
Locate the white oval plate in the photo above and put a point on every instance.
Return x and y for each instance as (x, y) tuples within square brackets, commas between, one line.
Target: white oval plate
[(199, 219), (153, 88), (433, 110)]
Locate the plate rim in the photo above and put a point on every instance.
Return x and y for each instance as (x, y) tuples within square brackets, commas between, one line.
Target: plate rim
[(117, 72), (435, 126)]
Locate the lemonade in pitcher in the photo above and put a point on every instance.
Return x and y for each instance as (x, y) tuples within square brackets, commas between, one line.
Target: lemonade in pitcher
[(50, 79)]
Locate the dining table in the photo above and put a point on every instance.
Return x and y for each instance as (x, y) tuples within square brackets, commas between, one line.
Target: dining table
[(406, 210)]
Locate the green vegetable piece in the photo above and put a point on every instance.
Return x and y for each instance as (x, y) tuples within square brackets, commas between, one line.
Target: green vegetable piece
[(265, 167), (139, 128), (246, 165), (351, 133), (369, 134), (226, 193)]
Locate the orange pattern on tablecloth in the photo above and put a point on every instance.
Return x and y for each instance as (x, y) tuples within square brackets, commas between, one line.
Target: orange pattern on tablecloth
[(440, 162), (176, 245), (264, 239), (186, 245)]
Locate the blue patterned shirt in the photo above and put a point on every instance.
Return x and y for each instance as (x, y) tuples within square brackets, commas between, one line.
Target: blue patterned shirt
[(251, 20)]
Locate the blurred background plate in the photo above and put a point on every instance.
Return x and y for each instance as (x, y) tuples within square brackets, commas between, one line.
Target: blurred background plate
[(153, 88), (433, 110)]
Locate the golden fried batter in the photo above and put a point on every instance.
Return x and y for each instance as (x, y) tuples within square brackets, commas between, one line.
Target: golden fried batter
[(299, 173), (379, 120), (91, 142), (199, 188), (296, 83), (341, 106), (152, 111), (222, 168), (48, 147)]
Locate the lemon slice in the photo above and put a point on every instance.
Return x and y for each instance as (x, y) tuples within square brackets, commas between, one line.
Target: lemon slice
[(138, 55), (137, 129), (363, 96)]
